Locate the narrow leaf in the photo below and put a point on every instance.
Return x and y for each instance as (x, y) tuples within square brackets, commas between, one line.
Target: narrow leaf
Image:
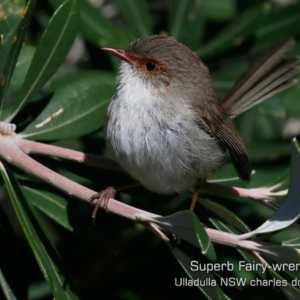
[(13, 284), (50, 52), (12, 39), (289, 211), (204, 281), (21, 69), (178, 14), (225, 214), (50, 204), (238, 30), (19, 74), (220, 10), (98, 29), (186, 226), (136, 14), (28, 222), (282, 22), (286, 259), (196, 18), (75, 109), (292, 243), (73, 216), (6, 288), (289, 290)]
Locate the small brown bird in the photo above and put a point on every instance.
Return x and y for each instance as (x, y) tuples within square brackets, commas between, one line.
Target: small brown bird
[(165, 125)]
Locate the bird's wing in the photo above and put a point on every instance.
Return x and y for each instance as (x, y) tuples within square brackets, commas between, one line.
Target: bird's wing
[(215, 121)]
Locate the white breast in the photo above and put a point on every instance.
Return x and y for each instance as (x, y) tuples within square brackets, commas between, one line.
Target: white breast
[(166, 151)]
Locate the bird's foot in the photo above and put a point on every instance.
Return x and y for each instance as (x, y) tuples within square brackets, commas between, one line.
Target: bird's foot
[(103, 198)]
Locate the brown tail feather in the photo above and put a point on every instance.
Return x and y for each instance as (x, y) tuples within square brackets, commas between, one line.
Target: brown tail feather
[(270, 74)]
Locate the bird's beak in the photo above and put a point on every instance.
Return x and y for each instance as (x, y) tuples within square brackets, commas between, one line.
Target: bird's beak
[(119, 53)]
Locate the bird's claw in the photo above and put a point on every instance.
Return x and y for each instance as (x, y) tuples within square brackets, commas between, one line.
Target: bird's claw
[(103, 198)]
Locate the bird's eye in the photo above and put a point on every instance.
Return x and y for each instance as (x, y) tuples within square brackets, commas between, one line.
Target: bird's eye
[(150, 65)]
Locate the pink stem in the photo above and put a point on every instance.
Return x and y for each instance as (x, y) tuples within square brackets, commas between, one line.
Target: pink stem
[(11, 152), (30, 147)]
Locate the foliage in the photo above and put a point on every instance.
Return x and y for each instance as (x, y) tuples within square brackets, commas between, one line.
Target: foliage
[(63, 103)]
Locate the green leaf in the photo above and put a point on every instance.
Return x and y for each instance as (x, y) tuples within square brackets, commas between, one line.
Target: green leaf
[(211, 290), (75, 109), (196, 18), (186, 226), (225, 214), (136, 14), (292, 243), (223, 226), (281, 22), (289, 290), (179, 10), (30, 225), (50, 52), (286, 259), (21, 69), (289, 211), (220, 10), (13, 285), (13, 32), (39, 290), (98, 29), (6, 288), (73, 216), (264, 151), (52, 205), (236, 32), (289, 100), (17, 80)]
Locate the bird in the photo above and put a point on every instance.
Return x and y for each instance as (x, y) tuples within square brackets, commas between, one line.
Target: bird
[(165, 125)]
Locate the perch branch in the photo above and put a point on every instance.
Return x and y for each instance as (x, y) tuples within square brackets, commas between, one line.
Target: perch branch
[(10, 152)]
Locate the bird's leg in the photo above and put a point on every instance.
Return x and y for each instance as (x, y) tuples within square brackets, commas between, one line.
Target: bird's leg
[(195, 195), (104, 196)]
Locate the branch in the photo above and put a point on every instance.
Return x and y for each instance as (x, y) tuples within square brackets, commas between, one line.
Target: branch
[(30, 147), (11, 152)]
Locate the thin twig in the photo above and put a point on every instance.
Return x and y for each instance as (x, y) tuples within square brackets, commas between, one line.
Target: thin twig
[(31, 147)]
